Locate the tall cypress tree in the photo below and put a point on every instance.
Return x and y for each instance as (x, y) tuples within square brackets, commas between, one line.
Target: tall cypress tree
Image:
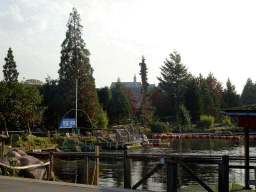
[(146, 111), (75, 64), (10, 72)]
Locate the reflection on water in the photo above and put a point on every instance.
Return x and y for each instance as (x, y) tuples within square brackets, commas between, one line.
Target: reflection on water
[(111, 171)]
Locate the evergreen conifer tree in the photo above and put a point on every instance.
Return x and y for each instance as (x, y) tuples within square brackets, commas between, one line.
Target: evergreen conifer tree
[(207, 99), (248, 95), (119, 108), (75, 64), (10, 72), (230, 97), (193, 100), (173, 80), (146, 110)]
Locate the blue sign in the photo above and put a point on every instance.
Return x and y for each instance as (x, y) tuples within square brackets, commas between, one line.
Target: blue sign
[(68, 123), (161, 160)]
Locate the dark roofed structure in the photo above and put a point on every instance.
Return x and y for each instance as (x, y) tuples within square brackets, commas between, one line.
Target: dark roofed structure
[(246, 117), (135, 86)]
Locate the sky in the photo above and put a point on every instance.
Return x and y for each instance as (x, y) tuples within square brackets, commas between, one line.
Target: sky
[(211, 36)]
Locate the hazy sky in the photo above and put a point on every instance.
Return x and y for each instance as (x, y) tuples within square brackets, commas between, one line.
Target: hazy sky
[(211, 36)]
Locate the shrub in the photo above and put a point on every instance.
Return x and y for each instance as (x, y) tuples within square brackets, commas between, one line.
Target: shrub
[(227, 121), (206, 122), (159, 127)]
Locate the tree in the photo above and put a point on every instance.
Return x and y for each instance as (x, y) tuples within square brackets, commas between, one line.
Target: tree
[(10, 72), (131, 96), (173, 80), (230, 97), (119, 109), (161, 103), (104, 95), (52, 97), (145, 111), (215, 86), (75, 65), (248, 95), (183, 116), (21, 105), (207, 99), (193, 100)]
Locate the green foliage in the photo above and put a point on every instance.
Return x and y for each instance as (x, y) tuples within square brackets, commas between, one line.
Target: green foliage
[(21, 105), (11, 172), (207, 99), (102, 120), (10, 72), (248, 95), (104, 95), (206, 122), (146, 110), (173, 80), (227, 120), (184, 118), (229, 96), (119, 109), (41, 140), (75, 65), (158, 127), (52, 97), (193, 100)]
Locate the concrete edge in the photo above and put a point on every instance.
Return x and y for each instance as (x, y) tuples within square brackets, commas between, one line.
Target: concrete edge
[(28, 180)]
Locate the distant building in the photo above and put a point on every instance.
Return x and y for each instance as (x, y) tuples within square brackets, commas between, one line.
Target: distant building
[(135, 86)]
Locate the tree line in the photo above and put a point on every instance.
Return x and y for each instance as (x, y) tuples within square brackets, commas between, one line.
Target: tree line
[(179, 94)]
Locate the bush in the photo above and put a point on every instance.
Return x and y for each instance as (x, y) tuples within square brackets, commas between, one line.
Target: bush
[(206, 122), (227, 121), (159, 127)]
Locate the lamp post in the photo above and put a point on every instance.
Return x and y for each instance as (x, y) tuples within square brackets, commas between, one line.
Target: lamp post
[(76, 103)]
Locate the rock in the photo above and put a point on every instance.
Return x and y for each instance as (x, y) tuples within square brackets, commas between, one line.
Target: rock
[(11, 162), (22, 153), (35, 173), (13, 154)]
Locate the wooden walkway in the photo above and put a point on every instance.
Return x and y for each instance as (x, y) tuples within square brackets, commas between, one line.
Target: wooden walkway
[(16, 184)]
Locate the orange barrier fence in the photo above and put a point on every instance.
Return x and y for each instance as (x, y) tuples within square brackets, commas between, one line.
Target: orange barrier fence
[(163, 136)]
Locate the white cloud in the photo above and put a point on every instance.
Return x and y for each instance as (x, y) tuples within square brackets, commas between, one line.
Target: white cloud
[(14, 9), (2, 14), (61, 9), (40, 22)]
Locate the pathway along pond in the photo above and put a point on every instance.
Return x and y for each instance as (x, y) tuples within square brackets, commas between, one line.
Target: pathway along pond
[(111, 171)]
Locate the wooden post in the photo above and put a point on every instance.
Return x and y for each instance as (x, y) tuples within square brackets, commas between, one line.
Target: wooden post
[(172, 176), (3, 148), (96, 180), (246, 153), (85, 170), (51, 164), (127, 171), (224, 174)]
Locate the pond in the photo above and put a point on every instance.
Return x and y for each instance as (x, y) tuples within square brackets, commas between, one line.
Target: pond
[(111, 171)]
